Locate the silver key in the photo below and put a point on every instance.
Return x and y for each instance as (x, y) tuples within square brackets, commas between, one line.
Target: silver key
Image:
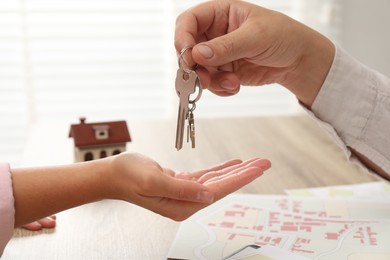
[(185, 86)]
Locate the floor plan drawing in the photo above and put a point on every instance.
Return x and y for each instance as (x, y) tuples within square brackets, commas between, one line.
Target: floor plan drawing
[(310, 227)]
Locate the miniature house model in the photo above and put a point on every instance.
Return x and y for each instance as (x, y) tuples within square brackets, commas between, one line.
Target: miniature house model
[(98, 140)]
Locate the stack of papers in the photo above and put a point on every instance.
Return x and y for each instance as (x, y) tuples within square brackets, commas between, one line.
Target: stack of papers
[(371, 191), (341, 222)]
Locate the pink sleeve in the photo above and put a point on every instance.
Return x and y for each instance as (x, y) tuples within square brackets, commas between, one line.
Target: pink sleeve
[(7, 210)]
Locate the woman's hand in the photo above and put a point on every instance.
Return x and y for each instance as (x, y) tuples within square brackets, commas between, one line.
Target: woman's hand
[(43, 191), (177, 195)]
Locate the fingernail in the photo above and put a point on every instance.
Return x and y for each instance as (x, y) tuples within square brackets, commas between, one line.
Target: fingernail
[(226, 84), (263, 164), (205, 51), (205, 197)]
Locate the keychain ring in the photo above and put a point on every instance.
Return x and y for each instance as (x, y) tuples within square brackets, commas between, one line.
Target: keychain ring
[(200, 89), (193, 106), (182, 52)]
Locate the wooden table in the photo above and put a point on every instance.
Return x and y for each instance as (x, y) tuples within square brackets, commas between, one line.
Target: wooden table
[(301, 153)]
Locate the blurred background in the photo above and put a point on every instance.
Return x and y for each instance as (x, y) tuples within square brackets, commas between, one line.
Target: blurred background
[(115, 59)]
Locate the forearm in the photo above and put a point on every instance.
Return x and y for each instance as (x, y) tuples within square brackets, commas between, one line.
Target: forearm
[(337, 104), (43, 191), (354, 101)]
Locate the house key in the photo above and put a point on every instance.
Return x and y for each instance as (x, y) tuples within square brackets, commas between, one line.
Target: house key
[(185, 86), (186, 83)]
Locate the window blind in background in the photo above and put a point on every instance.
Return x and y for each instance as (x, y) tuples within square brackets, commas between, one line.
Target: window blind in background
[(113, 59)]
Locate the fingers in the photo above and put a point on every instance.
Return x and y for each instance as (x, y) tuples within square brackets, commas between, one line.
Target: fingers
[(48, 222), (223, 184), (221, 83), (192, 23), (207, 24), (234, 174), (263, 164), (183, 190), (217, 31), (224, 49), (195, 175), (33, 226), (222, 171), (224, 84), (187, 187)]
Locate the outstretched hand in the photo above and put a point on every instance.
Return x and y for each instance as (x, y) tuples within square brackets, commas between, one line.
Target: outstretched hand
[(127, 176), (178, 195)]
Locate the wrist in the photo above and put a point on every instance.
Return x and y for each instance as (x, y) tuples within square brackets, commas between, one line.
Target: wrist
[(116, 170), (105, 179), (314, 63)]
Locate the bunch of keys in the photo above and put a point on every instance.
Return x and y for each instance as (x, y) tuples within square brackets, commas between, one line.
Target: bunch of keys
[(187, 81)]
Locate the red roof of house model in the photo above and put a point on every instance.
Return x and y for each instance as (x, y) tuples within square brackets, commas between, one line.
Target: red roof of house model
[(84, 134)]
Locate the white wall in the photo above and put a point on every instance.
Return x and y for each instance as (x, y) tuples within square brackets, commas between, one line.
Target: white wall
[(367, 32)]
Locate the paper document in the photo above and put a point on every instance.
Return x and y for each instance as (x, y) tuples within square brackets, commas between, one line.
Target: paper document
[(313, 228), (365, 191)]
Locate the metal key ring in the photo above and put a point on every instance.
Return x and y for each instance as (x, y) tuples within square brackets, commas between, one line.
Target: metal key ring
[(182, 52), (199, 86), (193, 107)]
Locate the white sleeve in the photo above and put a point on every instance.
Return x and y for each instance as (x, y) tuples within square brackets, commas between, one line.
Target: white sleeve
[(353, 105), (7, 210)]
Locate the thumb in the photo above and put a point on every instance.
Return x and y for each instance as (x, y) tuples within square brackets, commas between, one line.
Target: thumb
[(224, 49)]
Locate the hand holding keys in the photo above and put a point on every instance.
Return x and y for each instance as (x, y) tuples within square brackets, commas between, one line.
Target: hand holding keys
[(186, 83)]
